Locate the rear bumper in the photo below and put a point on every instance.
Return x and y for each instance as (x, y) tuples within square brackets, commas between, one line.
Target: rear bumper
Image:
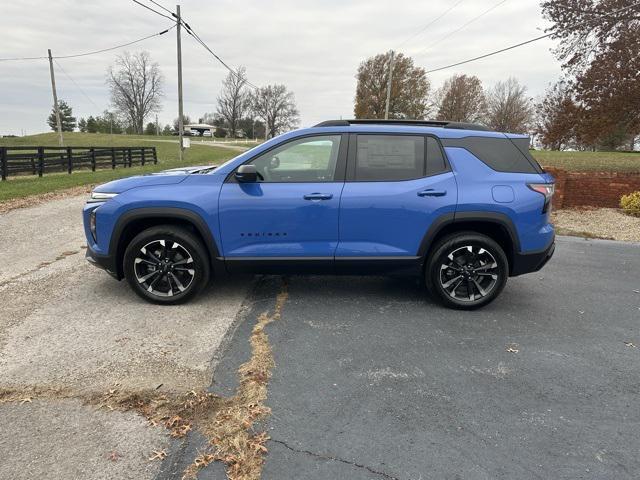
[(105, 262), (532, 262)]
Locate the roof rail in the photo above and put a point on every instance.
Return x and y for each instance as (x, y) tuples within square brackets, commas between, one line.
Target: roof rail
[(417, 123)]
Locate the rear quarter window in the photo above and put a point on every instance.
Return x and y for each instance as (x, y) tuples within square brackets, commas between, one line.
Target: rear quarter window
[(500, 154)]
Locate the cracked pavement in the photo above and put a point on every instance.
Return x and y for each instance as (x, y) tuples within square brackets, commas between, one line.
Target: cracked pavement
[(66, 325)]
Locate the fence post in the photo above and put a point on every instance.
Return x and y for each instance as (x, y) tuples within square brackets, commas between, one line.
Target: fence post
[(40, 161), (155, 156), (69, 160), (113, 158), (142, 156), (129, 153), (124, 157), (92, 152), (3, 162)]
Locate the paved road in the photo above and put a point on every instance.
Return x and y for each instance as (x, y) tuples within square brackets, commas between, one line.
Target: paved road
[(374, 381)]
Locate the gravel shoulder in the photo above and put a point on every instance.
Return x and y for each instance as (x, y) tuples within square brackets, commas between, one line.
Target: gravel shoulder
[(608, 223)]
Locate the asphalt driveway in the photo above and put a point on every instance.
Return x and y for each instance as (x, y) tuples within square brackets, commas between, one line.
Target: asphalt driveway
[(373, 380)]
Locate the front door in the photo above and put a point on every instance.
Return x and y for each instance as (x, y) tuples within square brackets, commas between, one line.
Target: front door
[(292, 211), (396, 186)]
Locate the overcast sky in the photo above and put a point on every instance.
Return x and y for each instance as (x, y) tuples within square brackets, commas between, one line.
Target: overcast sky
[(313, 47)]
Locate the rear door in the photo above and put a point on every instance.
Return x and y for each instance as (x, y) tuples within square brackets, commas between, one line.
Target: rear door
[(396, 186), (292, 210)]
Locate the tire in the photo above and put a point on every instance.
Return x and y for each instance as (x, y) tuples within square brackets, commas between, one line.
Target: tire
[(166, 264), (466, 270)]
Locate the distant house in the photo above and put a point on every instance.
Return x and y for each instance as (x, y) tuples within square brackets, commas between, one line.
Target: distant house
[(199, 129)]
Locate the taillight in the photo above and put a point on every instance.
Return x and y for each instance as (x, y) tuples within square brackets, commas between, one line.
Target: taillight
[(545, 189)]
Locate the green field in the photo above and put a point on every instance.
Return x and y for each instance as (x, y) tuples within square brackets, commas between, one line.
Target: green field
[(22, 186), (589, 161), (167, 149)]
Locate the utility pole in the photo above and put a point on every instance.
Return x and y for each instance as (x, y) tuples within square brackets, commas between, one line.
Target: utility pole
[(180, 124), (386, 110), (55, 99), (157, 127)]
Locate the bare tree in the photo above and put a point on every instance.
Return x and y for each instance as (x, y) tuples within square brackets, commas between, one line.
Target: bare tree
[(508, 107), (461, 99), (234, 100), (409, 88), (276, 106), (135, 82)]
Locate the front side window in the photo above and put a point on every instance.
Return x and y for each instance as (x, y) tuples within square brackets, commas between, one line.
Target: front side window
[(389, 157), (309, 159)]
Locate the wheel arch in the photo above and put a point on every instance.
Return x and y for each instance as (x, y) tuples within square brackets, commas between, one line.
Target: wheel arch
[(496, 226), (135, 221)]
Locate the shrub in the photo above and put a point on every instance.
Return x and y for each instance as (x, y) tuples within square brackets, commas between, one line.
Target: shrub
[(631, 203)]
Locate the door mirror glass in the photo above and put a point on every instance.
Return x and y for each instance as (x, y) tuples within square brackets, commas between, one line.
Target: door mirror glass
[(247, 173)]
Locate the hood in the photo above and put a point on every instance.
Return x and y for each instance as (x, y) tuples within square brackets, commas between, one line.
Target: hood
[(165, 177)]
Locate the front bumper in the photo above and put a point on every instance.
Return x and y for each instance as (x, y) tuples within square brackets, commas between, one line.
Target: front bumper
[(532, 262), (105, 262)]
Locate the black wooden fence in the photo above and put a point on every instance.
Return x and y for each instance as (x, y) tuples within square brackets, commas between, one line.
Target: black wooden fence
[(41, 160)]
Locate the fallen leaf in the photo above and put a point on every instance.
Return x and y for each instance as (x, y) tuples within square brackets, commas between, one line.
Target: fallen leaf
[(158, 455), (512, 349), (581, 312), (630, 344), (114, 456), (25, 400)]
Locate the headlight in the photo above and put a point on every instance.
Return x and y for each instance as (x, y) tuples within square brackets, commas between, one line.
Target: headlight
[(92, 224), (100, 197)]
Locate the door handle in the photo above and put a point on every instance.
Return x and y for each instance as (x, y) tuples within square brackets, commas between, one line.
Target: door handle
[(430, 192), (318, 196)]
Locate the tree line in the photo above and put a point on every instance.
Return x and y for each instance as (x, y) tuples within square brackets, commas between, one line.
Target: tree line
[(136, 85), (462, 98), (596, 105)]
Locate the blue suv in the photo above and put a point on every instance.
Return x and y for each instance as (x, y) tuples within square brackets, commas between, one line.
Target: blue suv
[(460, 205)]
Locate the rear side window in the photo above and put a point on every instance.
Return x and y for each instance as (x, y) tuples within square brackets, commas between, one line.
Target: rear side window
[(500, 154), (389, 157), (435, 158)]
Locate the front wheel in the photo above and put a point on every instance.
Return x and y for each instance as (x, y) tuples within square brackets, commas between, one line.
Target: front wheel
[(466, 270), (166, 265)]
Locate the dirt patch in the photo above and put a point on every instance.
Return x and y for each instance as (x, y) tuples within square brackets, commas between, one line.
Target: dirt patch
[(33, 200), (230, 431), (608, 223)]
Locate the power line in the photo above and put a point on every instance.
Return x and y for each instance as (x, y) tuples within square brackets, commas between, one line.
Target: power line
[(77, 86), (197, 38), (94, 52), (151, 9), (231, 70), (477, 17), (162, 7), (526, 42), (429, 24)]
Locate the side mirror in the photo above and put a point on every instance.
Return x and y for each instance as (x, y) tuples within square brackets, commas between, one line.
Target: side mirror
[(247, 174)]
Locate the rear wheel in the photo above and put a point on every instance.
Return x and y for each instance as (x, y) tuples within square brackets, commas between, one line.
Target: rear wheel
[(166, 265), (466, 270)]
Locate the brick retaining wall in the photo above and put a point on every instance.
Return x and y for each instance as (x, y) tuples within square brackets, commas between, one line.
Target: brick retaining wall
[(596, 189)]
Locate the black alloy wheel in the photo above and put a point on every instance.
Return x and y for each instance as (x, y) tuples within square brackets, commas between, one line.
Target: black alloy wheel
[(467, 270), (166, 265)]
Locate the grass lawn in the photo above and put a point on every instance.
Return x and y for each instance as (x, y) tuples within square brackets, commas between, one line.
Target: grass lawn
[(589, 161), (22, 186)]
